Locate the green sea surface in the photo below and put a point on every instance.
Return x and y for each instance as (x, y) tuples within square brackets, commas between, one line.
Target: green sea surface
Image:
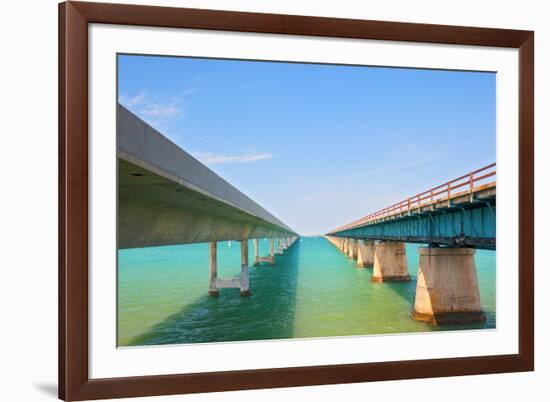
[(313, 290)]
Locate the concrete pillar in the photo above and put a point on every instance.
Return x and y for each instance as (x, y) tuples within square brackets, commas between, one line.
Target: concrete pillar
[(365, 253), (213, 273), (256, 252), (271, 258), (245, 285), (279, 246), (390, 262), (447, 290), (272, 251), (352, 249), (345, 246)]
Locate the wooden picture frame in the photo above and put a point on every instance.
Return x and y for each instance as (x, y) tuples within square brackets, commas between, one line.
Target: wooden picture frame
[(74, 381)]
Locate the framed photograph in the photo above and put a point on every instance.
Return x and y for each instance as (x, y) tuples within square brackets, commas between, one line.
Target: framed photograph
[(259, 200)]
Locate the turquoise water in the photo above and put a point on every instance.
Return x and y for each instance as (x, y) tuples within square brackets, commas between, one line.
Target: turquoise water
[(313, 290)]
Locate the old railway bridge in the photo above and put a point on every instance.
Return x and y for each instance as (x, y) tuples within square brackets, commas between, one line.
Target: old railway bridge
[(452, 221)]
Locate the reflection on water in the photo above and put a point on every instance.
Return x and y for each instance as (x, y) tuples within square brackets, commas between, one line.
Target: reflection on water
[(313, 290)]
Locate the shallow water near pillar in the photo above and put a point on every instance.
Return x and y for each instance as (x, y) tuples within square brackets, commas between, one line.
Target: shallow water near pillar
[(313, 290)]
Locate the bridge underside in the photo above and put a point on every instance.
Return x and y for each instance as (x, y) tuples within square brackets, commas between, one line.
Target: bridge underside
[(468, 220), (155, 211), (166, 196)]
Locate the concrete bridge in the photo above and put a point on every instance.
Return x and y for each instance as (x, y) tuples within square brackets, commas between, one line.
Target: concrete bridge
[(453, 220), (166, 196)]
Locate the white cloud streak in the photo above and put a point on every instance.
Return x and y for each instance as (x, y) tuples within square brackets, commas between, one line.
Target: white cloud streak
[(212, 158), (134, 100), (158, 109)]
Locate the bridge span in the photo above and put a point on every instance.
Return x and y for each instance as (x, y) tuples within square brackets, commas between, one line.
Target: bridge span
[(166, 196), (451, 220)]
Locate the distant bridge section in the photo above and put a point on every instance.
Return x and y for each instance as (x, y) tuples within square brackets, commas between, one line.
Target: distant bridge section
[(461, 212), (166, 196), (453, 219)]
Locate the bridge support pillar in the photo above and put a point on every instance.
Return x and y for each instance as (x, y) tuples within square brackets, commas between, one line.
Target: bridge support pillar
[(213, 272), (272, 251), (270, 259), (352, 249), (447, 290), (345, 246), (256, 252), (390, 262), (240, 281), (365, 253), (245, 284)]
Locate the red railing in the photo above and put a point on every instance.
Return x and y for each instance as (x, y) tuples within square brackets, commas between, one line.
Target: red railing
[(444, 192)]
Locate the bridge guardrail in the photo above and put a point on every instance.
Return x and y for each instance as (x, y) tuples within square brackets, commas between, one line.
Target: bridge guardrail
[(443, 192)]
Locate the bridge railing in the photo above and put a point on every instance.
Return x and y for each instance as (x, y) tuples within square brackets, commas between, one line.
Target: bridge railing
[(464, 184)]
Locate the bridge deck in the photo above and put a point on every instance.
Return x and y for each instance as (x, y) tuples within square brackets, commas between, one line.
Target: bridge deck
[(465, 199), (446, 214), (165, 196)]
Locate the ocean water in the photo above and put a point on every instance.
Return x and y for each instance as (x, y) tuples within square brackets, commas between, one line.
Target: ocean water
[(313, 290)]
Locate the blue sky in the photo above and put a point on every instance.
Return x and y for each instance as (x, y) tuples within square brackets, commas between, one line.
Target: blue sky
[(318, 145)]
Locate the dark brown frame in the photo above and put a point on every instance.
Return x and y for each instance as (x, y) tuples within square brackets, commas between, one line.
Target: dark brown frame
[(74, 17)]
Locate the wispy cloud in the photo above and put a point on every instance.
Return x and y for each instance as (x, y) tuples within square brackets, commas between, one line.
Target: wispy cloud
[(132, 101), (161, 110), (158, 109), (212, 158)]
